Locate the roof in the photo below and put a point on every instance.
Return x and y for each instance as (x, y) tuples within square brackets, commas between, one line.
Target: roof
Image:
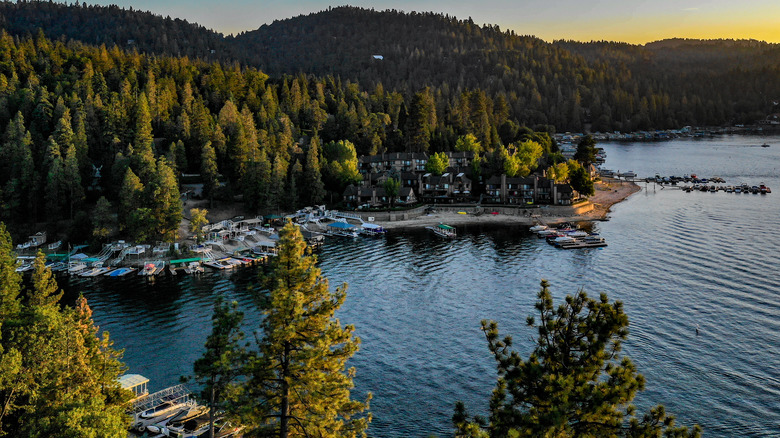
[(341, 225), (350, 190), (128, 381), (405, 191), (445, 227)]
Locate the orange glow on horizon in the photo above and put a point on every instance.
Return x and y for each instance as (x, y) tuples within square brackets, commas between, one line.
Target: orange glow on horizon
[(644, 29)]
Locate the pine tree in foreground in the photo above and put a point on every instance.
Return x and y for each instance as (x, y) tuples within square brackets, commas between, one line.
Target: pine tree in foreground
[(574, 384), (58, 377), (299, 385)]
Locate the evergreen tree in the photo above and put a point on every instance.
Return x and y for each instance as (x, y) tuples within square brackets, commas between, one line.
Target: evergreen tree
[(575, 382), (256, 184), (580, 179), (223, 361), (312, 176), (57, 378), (586, 151), (72, 179), (421, 121), (130, 198), (164, 199), (103, 220), (209, 172), (299, 385)]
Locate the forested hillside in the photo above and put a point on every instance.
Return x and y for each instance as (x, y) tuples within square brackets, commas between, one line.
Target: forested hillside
[(109, 129), (112, 25), (572, 86)]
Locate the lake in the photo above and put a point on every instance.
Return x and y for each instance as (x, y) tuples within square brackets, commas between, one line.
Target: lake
[(677, 260)]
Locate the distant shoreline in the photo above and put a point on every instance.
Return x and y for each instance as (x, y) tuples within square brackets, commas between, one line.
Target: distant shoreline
[(608, 193)]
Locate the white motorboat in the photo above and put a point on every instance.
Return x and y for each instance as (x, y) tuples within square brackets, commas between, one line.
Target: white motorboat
[(159, 413)]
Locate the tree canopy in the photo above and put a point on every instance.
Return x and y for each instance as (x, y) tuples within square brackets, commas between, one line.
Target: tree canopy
[(299, 385), (574, 383)]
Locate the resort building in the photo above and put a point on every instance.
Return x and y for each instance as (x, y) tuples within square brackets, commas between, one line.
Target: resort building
[(453, 186)]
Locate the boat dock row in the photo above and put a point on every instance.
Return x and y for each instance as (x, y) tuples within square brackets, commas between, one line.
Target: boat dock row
[(170, 412), (567, 236)]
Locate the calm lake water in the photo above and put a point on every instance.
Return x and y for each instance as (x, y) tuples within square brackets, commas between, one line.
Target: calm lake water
[(677, 260)]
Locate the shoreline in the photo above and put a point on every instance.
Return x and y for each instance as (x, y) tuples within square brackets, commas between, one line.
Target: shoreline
[(608, 193)]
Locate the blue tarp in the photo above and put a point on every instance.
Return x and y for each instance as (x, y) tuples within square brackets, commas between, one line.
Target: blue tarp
[(341, 225)]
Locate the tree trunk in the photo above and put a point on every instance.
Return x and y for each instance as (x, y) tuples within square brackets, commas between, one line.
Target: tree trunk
[(285, 408), (211, 412)]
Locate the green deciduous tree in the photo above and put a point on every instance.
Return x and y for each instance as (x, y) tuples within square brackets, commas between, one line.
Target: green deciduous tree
[(299, 385), (197, 222), (437, 163), (558, 172), (469, 143), (575, 383), (391, 187), (342, 164)]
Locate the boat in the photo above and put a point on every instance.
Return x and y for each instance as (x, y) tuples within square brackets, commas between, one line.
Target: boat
[(562, 240), (199, 427), (342, 229), (442, 230), (192, 412), (152, 268), (159, 413), (765, 145), (194, 268), (372, 230), (585, 242), (537, 228), (223, 263), (121, 272), (75, 268), (94, 272)]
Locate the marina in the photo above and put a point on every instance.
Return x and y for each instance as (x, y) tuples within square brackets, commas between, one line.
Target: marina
[(676, 260)]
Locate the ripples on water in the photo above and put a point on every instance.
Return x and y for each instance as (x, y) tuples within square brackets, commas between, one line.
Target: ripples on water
[(676, 259)]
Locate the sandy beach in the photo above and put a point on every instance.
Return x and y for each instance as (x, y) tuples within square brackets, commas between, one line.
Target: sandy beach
[(608, 193)]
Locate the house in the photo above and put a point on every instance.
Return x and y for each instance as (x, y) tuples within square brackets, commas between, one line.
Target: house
[(529, 190), (436, 188), (361, 196), (564, 194), (493, 189), (406, 196), (461, 187), (398, 161)]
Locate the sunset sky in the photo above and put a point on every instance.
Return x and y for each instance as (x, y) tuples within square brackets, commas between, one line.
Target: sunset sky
[(617, 20)]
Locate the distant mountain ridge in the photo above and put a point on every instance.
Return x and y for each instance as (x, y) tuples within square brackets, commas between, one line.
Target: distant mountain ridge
[(571, 85)]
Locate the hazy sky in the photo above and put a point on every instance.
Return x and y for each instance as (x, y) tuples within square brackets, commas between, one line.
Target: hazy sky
[(617, 20)]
